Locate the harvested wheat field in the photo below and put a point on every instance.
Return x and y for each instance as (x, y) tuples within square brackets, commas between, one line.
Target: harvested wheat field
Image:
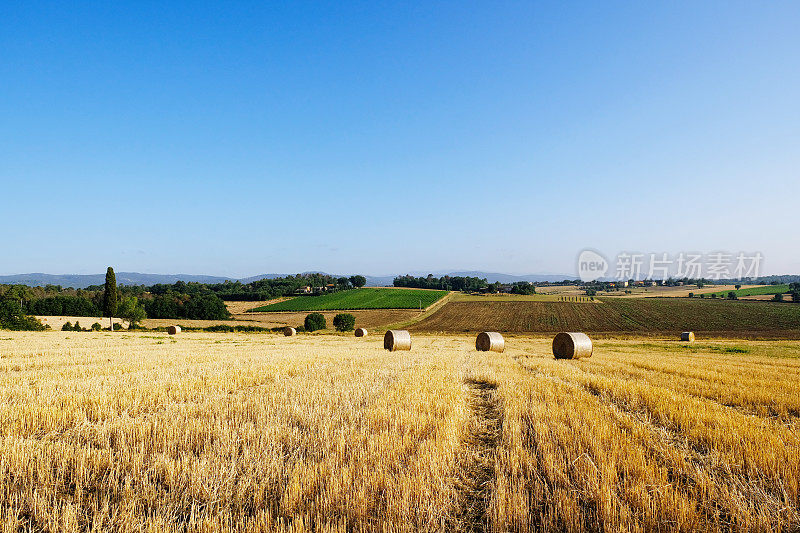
[(212, 432)]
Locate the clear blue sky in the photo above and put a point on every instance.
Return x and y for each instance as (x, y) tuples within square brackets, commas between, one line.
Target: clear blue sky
[(238, 139)]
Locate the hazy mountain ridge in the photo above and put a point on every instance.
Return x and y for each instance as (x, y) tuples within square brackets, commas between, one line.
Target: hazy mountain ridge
[(80, 281)]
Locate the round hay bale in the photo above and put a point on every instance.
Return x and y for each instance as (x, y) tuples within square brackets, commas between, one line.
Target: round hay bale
[(173, 330), (687, 336), (397, 339), (361, 332), (490, 341), (289, 332), (572, 345)]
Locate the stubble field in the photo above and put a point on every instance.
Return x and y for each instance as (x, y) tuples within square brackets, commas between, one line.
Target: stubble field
[(204, 432)]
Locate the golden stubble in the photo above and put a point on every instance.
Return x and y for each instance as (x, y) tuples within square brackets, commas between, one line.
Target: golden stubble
[(218, 432)]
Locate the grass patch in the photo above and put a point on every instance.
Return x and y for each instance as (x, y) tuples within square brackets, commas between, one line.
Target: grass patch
[(753, 291), (359, 299)]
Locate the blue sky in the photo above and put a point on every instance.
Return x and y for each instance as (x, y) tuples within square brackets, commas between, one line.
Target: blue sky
[(237, 139)]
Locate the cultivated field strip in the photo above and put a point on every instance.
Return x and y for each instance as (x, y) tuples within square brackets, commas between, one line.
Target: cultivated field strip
[(213, 432), (615, 316)]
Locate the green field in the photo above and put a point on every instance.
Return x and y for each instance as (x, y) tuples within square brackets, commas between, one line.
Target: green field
[(359, 299), (753, 291), (619, 315)]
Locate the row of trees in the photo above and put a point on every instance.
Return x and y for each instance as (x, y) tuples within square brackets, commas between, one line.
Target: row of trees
[(198, 301), (131, 303), (267, 289), (446, 283)]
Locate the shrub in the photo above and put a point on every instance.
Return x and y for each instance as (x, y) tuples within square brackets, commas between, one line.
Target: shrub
[(344, 322), (250, 329), (778, 297), (117, 326), (77, 326), (315, 321), (67, 327), (219, 328), (691, 295), (97, 327)]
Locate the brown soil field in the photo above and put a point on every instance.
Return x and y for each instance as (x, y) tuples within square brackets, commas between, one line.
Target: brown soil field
[(620, 315)]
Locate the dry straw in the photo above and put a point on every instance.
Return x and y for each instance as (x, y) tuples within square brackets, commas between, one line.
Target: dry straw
[(173, 330), (490, 341), (572, 345), (361, 332), (687, 336), (289, 332), (397, 339)]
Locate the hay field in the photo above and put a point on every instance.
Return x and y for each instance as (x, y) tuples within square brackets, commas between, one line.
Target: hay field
[(56, 322), (364, 318), (210, 432)]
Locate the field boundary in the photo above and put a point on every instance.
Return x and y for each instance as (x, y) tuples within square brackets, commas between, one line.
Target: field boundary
[(424, 314)]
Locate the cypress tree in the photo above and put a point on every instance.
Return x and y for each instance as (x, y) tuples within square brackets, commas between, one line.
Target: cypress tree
[(110, 294)]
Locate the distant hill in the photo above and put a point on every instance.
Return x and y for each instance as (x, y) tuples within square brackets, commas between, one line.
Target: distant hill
[(80, 281), (493, 277)]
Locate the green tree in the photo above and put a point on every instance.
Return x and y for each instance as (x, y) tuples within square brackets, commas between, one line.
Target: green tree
[(77, 326), (738, 287), (344, 322), (12, 317), (110, 294), (358, 281), (315, 321), (67, 327), (778, 297), (131, 310)]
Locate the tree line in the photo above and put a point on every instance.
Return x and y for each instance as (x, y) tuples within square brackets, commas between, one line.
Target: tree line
[(445, 283), (463, 283), (268, 289), (180, 300)]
